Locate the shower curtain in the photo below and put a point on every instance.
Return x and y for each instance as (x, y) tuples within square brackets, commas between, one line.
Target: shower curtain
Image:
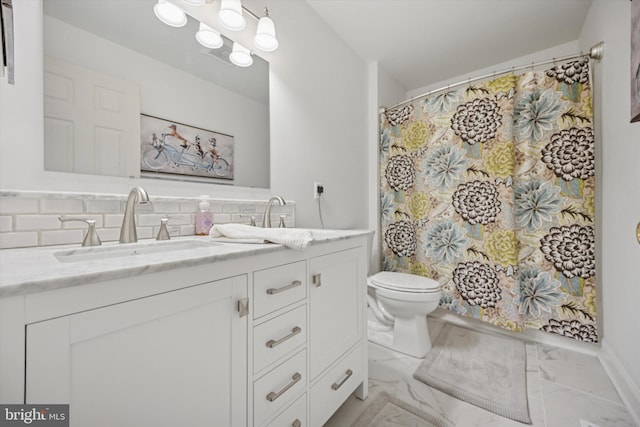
[(489, 189)]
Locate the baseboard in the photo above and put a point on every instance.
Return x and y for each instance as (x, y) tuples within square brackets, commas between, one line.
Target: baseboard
[(629, 391), (528, 335)]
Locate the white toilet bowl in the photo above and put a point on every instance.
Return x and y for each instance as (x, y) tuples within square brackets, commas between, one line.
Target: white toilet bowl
[(398, 311)]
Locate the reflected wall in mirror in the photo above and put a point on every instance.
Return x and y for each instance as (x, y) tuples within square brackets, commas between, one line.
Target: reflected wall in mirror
[(108, 62)]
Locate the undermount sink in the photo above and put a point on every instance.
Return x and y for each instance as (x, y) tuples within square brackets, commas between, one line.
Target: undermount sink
[(130, 249)]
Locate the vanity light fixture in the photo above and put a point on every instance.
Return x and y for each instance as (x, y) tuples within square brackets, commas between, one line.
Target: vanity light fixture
[(230, 15), (208, 37), (170, 14), (265, 38), (240, 55)]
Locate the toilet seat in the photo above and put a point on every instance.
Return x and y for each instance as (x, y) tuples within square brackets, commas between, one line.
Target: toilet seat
[(403, 282)]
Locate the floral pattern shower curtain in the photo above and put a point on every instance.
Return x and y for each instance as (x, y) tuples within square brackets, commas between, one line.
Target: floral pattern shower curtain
[(489, 189)]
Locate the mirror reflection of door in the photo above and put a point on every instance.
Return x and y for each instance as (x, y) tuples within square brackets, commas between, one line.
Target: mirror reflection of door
[(91, 121)]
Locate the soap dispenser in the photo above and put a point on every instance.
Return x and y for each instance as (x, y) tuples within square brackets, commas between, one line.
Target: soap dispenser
[(204, 217)]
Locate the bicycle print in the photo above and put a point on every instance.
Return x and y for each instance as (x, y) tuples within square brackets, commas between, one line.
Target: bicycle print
[(175, 148)]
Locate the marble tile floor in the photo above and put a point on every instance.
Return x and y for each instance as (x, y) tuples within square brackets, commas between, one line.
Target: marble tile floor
[(564, 389)]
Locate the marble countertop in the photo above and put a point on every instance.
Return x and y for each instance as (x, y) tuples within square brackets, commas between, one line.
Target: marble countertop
[(29, 270)]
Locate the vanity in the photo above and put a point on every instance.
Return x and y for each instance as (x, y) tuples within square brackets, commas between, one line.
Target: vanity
[(198, 334)]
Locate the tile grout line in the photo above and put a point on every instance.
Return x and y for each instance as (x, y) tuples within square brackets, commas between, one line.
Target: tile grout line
[(544, 410), (604, 399)]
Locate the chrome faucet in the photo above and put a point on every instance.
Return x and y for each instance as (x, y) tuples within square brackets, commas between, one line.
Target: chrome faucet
[(128, 232), (266, 222)]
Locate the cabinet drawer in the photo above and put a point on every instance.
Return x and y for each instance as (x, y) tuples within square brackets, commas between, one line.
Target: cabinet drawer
[(279, 336), (278, 287), (335, 386), (276, 389), (294, 416)]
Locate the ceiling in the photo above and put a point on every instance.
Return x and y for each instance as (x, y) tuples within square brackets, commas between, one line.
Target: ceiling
[(422, 42)]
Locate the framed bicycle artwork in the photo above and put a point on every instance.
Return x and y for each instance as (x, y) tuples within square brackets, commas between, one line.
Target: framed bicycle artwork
[(169, 147)]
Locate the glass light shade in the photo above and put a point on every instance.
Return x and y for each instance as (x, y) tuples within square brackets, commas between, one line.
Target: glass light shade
[(194, 2), (265, 38), (208, 37), (230, 15), (240, 56), (170, 14)]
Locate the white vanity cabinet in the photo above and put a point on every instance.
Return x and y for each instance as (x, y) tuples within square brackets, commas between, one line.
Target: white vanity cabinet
[(336, 329), (178, 358), (263, 336)]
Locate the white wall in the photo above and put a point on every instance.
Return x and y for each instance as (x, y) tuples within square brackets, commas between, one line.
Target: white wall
[(318, 120), (384, 91), (619, 182), (318, 99), (559, 51)]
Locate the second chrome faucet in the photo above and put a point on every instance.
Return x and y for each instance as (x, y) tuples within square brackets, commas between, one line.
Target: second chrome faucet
[(128, 232), (266, 221)]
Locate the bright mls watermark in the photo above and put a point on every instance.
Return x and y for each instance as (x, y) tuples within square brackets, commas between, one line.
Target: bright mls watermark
[(34, 415)]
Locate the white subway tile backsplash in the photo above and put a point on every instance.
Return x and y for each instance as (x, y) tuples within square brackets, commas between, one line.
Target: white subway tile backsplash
[(19, 240), (18, 205), (182, 219), (37, 222), (61, 206), (6, 223), (149, 220), (114, 220), (189, 207), (144, 208), (145, 233), (221, 218), (109, 234), (248, 209), (230, 208), (187, 230), (166, 207), (61, 237), (103, 206), (31, 219)]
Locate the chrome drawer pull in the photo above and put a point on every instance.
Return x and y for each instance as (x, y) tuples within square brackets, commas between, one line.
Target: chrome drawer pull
[(273, 291), (295, 331), (317, 280), (296, 423), (273, 395), (335, 386)]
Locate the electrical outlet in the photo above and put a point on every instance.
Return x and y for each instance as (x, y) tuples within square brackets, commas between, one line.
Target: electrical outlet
[(318, 189)]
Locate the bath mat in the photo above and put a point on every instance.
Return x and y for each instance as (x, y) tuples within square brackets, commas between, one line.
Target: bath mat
[(485, 370), (387, 411)]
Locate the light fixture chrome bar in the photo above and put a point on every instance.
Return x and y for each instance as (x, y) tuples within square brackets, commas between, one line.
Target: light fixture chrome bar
[(595, 52), (256, 17)]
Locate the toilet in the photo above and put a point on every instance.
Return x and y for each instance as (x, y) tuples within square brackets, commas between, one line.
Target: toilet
[(398, 308)]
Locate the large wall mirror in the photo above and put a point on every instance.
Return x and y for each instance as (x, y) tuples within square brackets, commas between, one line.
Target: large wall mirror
[(115, 63)]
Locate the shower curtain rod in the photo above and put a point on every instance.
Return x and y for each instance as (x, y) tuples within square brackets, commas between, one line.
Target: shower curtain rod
[(595, 52)]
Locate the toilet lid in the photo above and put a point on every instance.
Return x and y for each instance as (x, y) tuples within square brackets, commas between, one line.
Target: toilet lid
[(404, 282)]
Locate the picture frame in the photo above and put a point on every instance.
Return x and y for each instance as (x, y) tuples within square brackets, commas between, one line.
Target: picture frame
[(170, 148)]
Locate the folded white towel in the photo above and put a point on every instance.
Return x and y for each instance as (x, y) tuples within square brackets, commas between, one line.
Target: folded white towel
[(291, 237)]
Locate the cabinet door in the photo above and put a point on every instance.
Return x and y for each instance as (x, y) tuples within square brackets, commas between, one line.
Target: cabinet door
[(178, 358), (335, 307)]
